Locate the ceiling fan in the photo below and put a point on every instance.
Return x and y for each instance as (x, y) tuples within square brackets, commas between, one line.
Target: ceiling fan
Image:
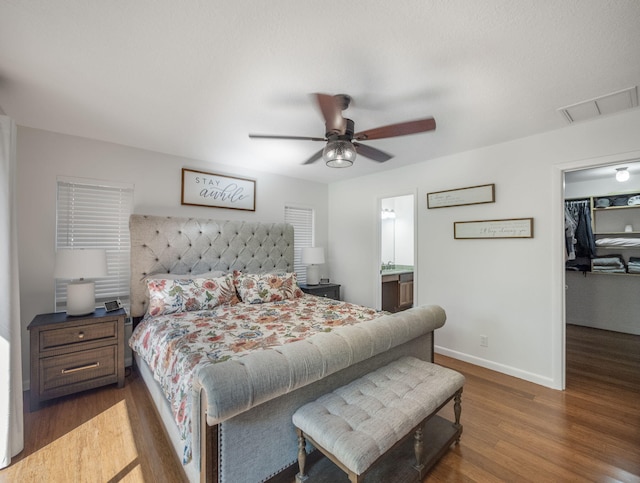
[(341, 138)]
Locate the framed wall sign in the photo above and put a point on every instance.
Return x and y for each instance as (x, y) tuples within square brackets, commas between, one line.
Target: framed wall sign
[(472, 195), (200, 188), (512, 228)]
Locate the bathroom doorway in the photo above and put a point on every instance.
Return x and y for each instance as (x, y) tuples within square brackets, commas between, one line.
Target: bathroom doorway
[(397, 284)]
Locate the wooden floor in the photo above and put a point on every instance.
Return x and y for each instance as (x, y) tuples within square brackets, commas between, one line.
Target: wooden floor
[(101, 435), (513, 430), (518, 431)]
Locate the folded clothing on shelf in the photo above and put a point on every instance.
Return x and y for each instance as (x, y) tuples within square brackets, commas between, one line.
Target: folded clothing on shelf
[(634, 265), (618, 242), (609, 264)]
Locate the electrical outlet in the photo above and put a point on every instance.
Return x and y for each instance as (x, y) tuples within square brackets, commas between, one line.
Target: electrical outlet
[(484, 341)]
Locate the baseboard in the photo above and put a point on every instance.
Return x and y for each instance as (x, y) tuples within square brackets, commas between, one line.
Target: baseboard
[(494, 366)]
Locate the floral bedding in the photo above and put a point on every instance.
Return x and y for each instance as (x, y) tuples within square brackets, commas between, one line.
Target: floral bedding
[(175, 346)]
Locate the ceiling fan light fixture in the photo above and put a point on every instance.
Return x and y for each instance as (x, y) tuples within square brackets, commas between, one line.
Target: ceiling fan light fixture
[(342, 142), (339, 154)]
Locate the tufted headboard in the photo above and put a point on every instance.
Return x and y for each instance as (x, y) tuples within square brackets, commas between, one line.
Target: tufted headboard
[(161, 244)]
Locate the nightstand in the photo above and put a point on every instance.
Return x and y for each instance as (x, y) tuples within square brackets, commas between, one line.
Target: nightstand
[(70, 354), (329, 290)]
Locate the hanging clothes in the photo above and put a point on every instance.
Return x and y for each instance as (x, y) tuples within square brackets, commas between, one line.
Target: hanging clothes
[(579, 240)]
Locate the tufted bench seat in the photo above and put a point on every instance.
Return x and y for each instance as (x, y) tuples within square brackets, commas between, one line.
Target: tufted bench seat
[(357, 424)]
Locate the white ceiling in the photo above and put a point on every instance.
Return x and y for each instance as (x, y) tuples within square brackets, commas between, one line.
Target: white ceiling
[(604, 172), (193, 78)]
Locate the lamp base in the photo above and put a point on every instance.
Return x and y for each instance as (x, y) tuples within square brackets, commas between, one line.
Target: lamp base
[(313, 274), (81, 298)]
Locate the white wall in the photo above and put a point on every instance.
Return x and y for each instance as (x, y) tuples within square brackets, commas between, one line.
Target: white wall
[(508, 290), (43, 155)]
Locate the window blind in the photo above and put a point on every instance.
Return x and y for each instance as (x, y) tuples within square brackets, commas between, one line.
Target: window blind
[(302, 220), (95, 214)]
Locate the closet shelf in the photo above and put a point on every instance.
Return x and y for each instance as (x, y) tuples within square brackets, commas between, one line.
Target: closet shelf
[(611, 208), (626, 274)]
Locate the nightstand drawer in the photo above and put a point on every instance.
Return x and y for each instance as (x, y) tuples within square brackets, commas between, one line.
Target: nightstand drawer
[(70, 369), (329, 293), (51, 339)]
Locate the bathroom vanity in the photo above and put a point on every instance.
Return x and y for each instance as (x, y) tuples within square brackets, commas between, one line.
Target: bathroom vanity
[(397, 288)]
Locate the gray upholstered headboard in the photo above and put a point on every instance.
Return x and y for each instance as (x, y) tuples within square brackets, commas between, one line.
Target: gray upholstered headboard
[(161, 244)]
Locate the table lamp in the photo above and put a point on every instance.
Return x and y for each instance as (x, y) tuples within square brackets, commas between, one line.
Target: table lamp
[(313, 257), (78, 265)]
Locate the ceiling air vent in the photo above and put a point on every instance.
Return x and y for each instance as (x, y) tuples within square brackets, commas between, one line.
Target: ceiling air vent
[(609, 104)]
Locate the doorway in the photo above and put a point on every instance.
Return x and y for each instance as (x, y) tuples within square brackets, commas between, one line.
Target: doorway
[(396, 286), (602, 303)]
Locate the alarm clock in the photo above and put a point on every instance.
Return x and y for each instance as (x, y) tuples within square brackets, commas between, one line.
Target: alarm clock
[(112, 305)]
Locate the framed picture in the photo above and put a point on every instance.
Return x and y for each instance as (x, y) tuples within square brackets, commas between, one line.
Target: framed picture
[(200, 188), (511, 228), (472, 195)]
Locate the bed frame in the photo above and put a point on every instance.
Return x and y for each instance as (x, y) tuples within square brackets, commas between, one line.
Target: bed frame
[(253, 439)]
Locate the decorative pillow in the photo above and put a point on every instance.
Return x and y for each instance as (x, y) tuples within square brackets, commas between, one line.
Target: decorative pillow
[(266, 287), (185, 295)]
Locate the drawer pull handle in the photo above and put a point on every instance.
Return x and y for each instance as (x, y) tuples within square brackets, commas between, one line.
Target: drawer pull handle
[(81, 335), (81, 368)]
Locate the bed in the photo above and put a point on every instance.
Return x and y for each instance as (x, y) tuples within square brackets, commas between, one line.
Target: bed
[(241, 401)]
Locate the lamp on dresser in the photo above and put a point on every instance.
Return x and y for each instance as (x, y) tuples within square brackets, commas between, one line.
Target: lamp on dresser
[(312, 257), (78, 266)]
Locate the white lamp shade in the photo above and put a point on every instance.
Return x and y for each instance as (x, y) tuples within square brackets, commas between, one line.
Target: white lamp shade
[(312, 255), (75, 264)]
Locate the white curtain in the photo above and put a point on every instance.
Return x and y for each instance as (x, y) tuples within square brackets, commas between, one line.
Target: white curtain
[(11, 424)]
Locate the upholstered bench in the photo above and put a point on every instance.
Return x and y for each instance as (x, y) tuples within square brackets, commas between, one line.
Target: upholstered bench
[(357, 424)]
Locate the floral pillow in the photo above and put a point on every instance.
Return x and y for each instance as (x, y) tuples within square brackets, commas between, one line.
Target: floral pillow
[(267, 287), (186, 295)]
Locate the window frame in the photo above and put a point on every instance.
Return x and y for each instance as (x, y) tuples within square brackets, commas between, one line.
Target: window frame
[(92, 213), (303, 219)]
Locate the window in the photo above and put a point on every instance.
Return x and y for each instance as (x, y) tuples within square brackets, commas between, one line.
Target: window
[(95, 214), (302, 220)]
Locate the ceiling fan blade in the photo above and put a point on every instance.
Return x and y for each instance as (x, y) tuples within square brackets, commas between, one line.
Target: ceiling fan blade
[(400, 129), (372, 153), (314, 158), (332, 113), (275, 136)]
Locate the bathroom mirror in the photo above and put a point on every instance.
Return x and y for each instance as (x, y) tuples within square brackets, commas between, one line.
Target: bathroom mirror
[(397, 240), (397, 232)]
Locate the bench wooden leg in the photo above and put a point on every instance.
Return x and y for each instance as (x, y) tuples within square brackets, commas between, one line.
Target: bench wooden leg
[(418, 448), (302, 456), (457, 409)]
